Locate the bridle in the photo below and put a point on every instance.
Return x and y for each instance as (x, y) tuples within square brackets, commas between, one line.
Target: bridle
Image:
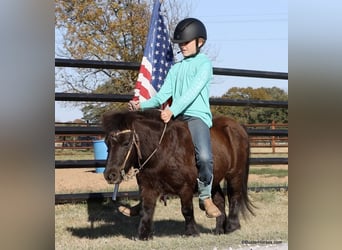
[(135, 142)]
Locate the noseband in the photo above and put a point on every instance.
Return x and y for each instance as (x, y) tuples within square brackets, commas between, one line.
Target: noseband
[(135, 142)]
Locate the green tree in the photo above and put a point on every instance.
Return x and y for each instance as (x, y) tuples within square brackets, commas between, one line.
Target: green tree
[(248, 114), (102, 30)]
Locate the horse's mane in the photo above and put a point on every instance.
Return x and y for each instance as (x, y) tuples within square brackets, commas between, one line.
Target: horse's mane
[(120, 120)]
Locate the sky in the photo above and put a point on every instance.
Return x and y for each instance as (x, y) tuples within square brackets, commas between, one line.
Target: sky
[(245, 34)]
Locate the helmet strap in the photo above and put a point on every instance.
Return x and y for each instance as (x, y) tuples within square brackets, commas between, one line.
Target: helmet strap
[(197, 47)]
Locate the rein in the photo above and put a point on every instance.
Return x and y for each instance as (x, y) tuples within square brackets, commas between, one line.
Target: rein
[(135, 142), (154, 151)]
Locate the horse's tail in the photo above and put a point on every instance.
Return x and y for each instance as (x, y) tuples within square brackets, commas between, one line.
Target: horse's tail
[(246, 202), (239, 146)]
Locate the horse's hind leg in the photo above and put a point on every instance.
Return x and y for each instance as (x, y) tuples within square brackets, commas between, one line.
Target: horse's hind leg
[(188, 213), (234, 198), (218, 199)]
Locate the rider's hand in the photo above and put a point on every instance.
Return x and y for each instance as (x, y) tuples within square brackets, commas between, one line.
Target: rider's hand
[(133, 105), (166, 115)]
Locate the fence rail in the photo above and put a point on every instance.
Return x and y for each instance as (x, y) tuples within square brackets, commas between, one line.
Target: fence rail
[(98, 130), (101, 163), (78, 97), (95, 64)]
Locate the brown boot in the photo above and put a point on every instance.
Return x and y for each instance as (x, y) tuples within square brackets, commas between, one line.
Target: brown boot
[(210, 209), (133, 211)]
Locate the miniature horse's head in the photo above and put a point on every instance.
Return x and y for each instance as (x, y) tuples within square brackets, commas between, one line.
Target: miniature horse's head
[(123, 141)]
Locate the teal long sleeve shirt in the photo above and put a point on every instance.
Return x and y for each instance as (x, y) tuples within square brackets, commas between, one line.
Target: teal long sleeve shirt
[(187, 82)]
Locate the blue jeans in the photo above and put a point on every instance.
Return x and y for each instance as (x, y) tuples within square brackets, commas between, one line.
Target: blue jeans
[(200, 134)]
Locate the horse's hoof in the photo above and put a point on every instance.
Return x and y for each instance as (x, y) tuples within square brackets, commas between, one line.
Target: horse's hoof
[(192, 235), (145, 238), (232, 228), (192, 232), (219, 231)]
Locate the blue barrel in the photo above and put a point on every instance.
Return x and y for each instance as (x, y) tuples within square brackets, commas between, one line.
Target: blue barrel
[(100, 153)]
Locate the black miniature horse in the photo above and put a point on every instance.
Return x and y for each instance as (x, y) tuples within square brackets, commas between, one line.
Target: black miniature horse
[(162, 156)]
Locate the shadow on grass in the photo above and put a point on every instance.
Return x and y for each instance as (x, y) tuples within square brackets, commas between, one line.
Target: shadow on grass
[(112, 223)]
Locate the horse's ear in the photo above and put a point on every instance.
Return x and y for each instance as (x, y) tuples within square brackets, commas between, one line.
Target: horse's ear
[(105, 120), (113, 120)]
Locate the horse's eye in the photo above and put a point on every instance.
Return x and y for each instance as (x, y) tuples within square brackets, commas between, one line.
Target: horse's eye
[(125, 143)]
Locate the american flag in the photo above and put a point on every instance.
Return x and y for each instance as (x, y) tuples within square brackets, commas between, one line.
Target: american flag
[(157, 59)]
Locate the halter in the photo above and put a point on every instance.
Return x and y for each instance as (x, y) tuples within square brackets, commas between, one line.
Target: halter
[(135, 142)]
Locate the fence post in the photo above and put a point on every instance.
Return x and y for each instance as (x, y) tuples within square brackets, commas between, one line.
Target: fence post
[(273, 137)]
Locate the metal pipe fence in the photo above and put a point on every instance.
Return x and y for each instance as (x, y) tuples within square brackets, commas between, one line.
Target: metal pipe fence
[(96, 130)]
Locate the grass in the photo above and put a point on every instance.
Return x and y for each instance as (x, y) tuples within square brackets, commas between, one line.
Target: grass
[(68, 154), (98, 225), (269, 172)]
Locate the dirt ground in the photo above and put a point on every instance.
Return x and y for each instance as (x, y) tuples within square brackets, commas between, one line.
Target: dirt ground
[(84, 179), (87, 180)]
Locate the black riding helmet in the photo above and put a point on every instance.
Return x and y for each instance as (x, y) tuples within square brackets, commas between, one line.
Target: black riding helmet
[(189, 29)]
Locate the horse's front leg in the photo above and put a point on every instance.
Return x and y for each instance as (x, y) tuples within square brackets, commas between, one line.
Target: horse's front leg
[(148, 204), (188, 213)]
